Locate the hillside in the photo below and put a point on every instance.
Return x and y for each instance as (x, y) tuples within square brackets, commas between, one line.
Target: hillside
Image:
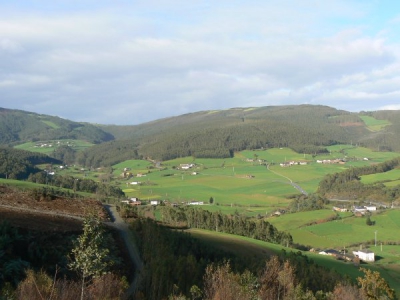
[(211, 134), (218, 134), (18, 126)]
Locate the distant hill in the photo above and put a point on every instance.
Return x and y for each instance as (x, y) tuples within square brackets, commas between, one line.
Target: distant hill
[(219, 133), (19, 164), (17, 126)]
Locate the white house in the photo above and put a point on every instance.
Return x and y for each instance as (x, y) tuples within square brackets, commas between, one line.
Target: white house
[(370, 208), (365, 255), (154, 202)]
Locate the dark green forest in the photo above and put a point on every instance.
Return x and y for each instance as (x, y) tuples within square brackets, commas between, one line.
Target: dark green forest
[(19, 164)]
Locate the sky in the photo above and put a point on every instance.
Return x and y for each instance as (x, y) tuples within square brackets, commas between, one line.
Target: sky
[(130, 62)]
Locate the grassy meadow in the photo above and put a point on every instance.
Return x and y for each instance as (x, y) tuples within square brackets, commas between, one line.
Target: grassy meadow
[(240, 181), (49, 146), (374, 124)]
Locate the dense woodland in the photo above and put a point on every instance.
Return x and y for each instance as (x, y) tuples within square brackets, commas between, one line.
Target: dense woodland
[(19, 164), (347, 184)]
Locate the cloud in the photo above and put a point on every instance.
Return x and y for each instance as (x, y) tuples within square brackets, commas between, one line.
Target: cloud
[(390, 107), (124, 63)]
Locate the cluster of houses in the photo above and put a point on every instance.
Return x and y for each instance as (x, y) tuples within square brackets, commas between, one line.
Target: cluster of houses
[(292, 163), (331, 161), (363, 255), (132, 201), (357, 210)]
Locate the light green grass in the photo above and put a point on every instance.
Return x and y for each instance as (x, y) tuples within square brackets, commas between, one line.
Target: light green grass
[(386, 177), (374, 124), (50, 124), (77, 145), (226, 180)]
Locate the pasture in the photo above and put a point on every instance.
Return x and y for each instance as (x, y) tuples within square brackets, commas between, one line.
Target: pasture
[(49, 146), (374, 124), (385, 178), (243, 181)]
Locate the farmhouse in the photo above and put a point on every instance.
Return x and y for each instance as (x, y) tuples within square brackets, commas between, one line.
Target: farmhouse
[(360, 209), (196, 203), (365, 255), (339, 209), (370, 208), (186, 166), (135, 182), (330, 252), (154, 202)]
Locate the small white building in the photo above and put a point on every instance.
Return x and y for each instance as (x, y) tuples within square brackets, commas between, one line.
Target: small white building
[(365, 255), (154, 202), (370, 208), (196, 203)]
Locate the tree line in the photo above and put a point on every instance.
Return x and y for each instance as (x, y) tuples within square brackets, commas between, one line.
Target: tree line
[(77, 185), (348, 184), (233, 224)]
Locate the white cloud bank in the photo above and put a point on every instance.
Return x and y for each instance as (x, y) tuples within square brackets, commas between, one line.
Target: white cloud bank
[(121, 63)]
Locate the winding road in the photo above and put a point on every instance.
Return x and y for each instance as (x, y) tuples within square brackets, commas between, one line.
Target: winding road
[(295, 185)]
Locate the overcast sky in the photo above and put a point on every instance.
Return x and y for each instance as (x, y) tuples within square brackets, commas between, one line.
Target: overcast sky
[(129, 62)]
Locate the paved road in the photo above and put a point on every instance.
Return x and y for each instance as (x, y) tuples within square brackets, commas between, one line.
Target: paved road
[(295, 185), (123, 229)]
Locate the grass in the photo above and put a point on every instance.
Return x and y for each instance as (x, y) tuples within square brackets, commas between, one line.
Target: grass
[(77, 145), (239, 181), (374, 124), (386, 177)]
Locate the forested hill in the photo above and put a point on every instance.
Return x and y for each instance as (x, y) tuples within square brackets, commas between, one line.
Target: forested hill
[(304, 128), (18, 126), (212, 134)]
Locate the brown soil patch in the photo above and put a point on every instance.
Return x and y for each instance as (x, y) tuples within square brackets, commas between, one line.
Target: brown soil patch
[(351, 124), (60, 214)]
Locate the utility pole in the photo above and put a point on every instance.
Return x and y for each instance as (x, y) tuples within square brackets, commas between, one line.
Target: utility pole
[(376, 231)]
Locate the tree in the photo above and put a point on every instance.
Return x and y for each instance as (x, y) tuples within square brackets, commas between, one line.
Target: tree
[(211, 200), (90, 256), (373, 286)]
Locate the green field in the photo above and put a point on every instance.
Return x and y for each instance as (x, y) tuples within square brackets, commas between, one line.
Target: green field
[(374, 124), (50, 145), (241, 181), (386, 178), (344, 232)]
